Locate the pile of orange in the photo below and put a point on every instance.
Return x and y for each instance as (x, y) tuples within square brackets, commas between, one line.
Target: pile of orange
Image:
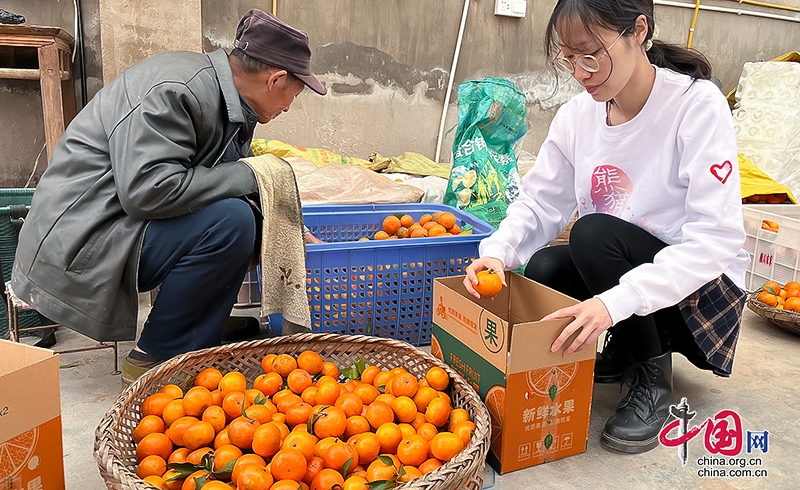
[(779, 198), (785, 297), (429, 225), (300, 425)]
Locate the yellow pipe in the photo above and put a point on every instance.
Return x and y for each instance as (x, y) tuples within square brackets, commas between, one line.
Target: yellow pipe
[(694, 23), (770, 5), (275, 8)]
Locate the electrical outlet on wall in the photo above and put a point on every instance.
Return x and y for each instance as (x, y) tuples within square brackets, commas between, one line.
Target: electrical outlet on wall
[(510, 8)]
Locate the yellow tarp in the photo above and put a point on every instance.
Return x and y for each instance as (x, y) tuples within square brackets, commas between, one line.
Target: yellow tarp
[(409, 163), (756, 182), (317, 156)]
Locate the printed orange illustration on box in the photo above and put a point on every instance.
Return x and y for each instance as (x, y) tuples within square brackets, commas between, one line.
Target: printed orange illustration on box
[(31, 454), (539, 401)]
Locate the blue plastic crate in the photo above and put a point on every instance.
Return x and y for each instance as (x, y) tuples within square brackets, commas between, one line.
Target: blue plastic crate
[(380, 288)]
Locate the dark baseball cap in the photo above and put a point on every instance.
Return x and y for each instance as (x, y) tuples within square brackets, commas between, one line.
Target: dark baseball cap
[(264, 37)]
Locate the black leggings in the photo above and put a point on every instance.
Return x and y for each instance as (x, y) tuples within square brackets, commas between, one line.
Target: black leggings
[(601, 249)]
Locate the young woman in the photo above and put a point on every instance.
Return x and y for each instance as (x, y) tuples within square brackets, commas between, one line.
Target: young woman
[(647, 158)]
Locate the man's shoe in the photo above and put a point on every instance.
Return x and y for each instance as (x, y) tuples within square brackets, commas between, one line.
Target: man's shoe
[(136, 364), (610, 364), (642, 413), (48, 339)]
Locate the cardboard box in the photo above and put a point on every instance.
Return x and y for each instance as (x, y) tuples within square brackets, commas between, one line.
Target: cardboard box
[(31, 452), (539, 400)]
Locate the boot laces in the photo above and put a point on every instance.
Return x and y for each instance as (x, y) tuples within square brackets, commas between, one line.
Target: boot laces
[(640, 379)]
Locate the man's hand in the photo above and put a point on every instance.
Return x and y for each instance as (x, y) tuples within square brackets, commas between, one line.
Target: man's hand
[(311, 238), (478, 265), (591, 317)]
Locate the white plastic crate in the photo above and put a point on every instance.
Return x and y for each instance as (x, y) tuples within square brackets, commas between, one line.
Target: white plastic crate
[(774, 256)]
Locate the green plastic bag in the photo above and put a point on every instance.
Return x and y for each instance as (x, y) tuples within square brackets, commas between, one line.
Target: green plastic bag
[(484, 178)]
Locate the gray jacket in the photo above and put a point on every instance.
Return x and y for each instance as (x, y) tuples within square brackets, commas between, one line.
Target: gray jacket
[(146, 147)]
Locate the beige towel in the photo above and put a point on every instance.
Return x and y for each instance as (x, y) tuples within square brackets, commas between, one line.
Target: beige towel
[(283, 250)]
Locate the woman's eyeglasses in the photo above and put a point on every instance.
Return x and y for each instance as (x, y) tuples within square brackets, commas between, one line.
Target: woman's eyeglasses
[(588, 62)]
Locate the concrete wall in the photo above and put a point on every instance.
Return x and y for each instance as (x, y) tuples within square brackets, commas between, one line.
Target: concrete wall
[(387, 62)]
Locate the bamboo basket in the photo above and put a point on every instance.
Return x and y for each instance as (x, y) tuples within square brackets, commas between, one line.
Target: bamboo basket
[(115, 451), (787, 320)]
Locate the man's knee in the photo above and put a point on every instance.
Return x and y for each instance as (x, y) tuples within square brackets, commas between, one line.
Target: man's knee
[(234, 224)]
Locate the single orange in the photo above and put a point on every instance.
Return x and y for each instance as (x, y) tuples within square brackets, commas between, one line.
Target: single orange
[(438, 412), (330, 369), (262, 413), (328, 479), (455, 230), (310, 361), (254, 477), (329, 421), (191, 481), (266, 362), (437, 230), (464, 430), (424, 219), (156, 481), (241, 431), (424, 396), (327, 393), (309, 395), (419, 420), (222, 438), (404, 408), (378, 470), (208, 378), (447, 219), (323, 445), (284, 364), (413, 451), (356, 424), (152, 465), (244, 461), (446, 445), (196, 457), (391, 224), (489, 283), (793, 304), (266, 440), (298, 414), (457, 415), (407, 430), (233, 381), (175, 390), (368, 446), (437, 378), (767, 298), (178, 456), (268, 383), (428, 431), (196, 400), (233, 403), (411, 473), (302, 441), (380, 235), (199, 434), (154, 404), (386, 398), (298, 380), (430, 465), (173, 411), (288, 464), (148, 425), (774, 286), (355, 482), (366, 392), (406, 220), (338, 454), (155, 444), (379, 413), (404, 384), (350, 404), (419, 233), (390, 436), (224, 455)]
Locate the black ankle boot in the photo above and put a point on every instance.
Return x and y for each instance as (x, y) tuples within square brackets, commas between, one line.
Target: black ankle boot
[(644, 410), (48, 339), (610, 364)]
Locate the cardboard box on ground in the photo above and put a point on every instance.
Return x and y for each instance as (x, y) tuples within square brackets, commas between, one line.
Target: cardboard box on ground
[(31, 451), (539, 400)]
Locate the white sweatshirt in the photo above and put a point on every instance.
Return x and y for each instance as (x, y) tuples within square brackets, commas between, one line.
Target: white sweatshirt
[(671, 170)]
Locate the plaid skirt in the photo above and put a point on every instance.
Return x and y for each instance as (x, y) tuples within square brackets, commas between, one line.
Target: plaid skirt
[(713, 314)]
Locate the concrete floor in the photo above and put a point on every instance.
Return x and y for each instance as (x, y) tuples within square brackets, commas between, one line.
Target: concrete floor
[(762, 390)]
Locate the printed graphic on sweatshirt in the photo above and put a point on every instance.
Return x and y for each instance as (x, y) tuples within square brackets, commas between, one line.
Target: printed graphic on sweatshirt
[(722, 171), (611, 188)]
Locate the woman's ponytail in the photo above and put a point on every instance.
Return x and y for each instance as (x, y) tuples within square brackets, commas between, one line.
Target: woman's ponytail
[(678, 59)]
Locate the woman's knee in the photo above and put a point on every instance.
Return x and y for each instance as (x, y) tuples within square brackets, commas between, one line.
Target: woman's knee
[(591, 228), (547, 265)]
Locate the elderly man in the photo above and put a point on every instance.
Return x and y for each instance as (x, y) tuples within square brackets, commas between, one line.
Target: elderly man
[(145, 190)]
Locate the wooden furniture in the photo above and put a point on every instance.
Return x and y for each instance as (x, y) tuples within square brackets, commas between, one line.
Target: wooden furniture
[(42, 53)]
